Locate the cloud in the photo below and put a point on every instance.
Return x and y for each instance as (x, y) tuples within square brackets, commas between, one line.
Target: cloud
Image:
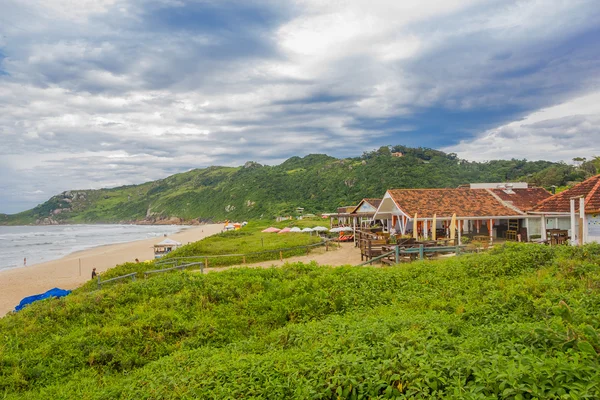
[(111, 92), (557, 133)]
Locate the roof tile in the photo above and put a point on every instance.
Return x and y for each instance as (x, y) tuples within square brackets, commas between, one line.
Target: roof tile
[(523, 199), (588, 189), (445, 202)]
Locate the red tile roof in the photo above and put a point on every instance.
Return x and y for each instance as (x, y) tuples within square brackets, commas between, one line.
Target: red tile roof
[(445, 202), (588, 189), (523, 199), (374, 202)]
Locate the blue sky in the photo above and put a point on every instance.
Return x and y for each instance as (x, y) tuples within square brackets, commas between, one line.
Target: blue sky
[(101, 93)]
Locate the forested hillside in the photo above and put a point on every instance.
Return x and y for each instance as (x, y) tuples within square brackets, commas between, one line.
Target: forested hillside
[(317, 182)]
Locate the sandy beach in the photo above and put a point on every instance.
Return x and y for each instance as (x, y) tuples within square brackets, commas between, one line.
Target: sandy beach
[(66, 273)]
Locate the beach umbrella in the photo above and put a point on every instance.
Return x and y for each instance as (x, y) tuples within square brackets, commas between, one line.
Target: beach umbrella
[(307, 230), (415, 231), (336, 230), (271, 229), (433, 227), (285, 230), (320, 229), (295, 229), (346, 229), (453, 227)]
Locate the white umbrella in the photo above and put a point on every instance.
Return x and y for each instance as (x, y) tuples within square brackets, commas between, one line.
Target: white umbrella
[(295, 229), (320, 229), (307, 230), (335, 230), (346, 229)]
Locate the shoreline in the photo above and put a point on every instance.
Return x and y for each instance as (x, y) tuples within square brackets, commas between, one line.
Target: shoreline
[(71, 271)]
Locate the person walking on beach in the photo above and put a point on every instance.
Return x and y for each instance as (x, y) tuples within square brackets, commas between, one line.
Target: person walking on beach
[(25, 262), (94, 274)]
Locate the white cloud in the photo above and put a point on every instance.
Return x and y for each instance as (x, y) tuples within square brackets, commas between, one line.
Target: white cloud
[(98, 93), (557, 133)]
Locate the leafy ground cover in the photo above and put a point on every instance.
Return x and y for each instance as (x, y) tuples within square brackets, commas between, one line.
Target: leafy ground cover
[(520, 321)]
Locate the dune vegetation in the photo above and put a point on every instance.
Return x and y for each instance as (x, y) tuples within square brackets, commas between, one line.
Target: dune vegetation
[(520, 321)]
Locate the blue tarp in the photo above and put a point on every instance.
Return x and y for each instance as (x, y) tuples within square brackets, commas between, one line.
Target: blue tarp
[(56, 292)]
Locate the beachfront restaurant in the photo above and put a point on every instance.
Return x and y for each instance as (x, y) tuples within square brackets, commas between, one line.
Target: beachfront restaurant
[(572, 215), (480, 213)]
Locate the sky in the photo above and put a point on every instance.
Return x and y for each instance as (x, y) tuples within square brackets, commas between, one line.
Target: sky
[(103, 93)]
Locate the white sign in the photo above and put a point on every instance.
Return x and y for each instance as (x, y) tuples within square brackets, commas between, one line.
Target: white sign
[(593, 225)]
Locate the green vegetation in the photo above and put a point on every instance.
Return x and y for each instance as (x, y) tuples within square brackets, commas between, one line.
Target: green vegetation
[(519, 322), (249, 240), (317, 182), (256, 244)]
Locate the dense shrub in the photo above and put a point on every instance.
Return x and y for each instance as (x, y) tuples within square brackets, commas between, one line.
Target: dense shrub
[(456, 328)]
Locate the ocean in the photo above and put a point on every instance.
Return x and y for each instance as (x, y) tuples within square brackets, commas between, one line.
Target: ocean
[(45, 243)]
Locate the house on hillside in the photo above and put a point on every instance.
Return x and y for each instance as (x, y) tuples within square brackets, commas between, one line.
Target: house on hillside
[(576, 210), (496, 212)]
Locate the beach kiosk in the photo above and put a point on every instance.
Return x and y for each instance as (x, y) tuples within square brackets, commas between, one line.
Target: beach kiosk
[(165, 247)]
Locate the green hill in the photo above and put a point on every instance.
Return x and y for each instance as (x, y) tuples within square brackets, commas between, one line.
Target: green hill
[(519, 322), (317, 182)]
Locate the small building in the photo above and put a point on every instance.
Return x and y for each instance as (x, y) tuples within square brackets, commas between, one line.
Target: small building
[(576, 211), (398, 154), (165, 247), (364, 212)]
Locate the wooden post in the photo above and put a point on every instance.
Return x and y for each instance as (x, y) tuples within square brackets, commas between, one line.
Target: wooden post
[(80, 267), (491, 229), (543, 226), (582, 233), (206, 262), (421, 252), (243, 259), (327, 245), (99, 284), (281, 255), (397, 254), (307, 250), (457, 250)]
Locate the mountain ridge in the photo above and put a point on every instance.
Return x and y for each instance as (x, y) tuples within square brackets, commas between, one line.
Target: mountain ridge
[(316, 182)]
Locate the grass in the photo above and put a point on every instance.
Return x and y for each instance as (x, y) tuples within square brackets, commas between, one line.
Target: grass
[(249, 240), (521, 321)]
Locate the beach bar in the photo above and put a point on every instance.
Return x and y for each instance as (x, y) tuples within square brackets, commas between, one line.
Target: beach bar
[(165, 247), (487, 213)]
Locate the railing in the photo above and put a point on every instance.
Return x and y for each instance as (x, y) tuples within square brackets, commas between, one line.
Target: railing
[(204, 264), (413, 251), (205, 258), (178, 267), (118, 278), (376, 258)]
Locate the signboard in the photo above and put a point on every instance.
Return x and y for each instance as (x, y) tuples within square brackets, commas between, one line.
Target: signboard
[(593, 221)]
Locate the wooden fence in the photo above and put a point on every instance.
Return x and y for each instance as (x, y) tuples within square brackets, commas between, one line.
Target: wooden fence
[(205, 258), (179, 267), (395, 254), (118, 278)]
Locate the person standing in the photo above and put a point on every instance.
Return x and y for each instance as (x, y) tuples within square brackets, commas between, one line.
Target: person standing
[(94, 274), (25, 262)]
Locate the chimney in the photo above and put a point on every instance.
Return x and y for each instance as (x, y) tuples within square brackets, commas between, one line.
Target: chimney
[(553, 189)]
